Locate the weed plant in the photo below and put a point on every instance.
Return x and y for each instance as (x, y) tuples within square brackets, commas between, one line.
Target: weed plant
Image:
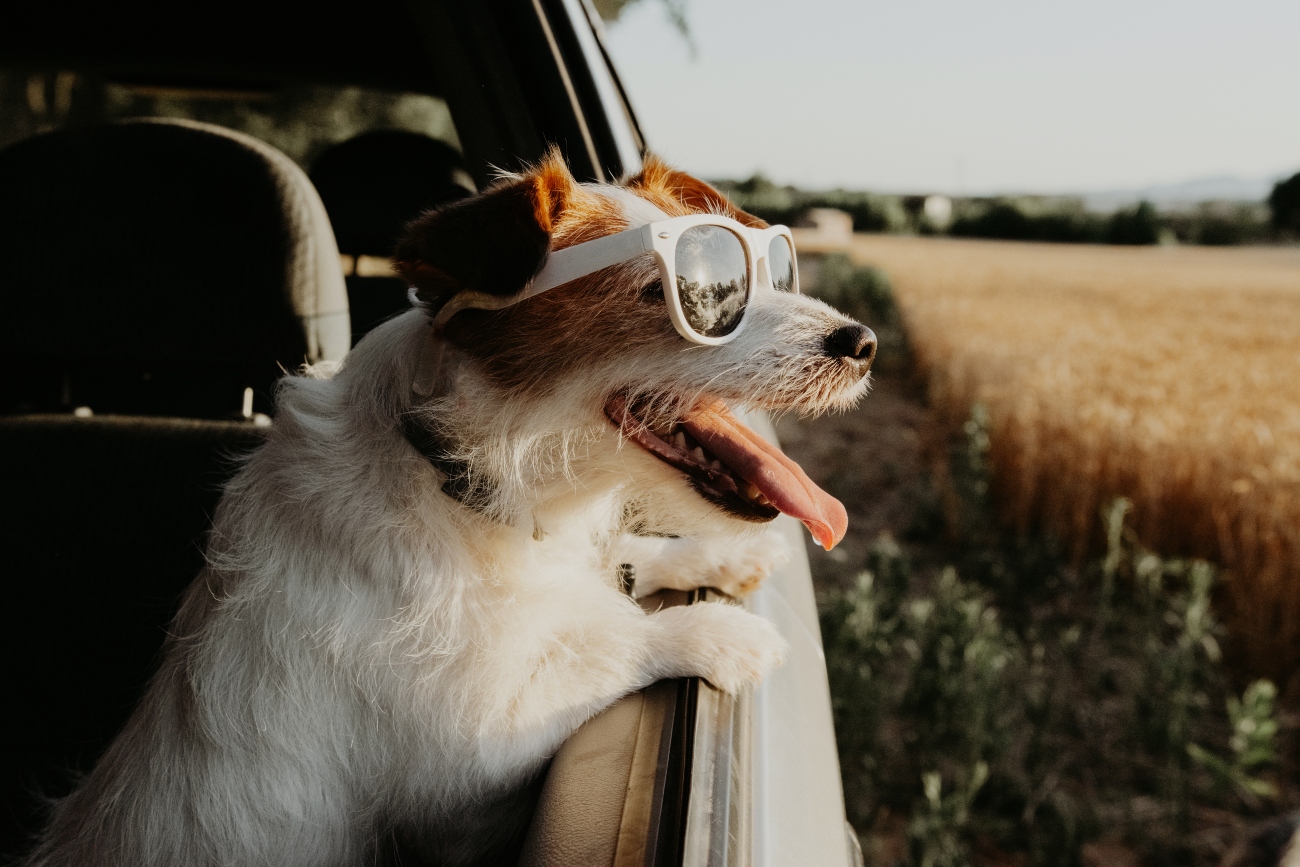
[(1009, 706), (867, 296), (1013, 707), (1166, 376)]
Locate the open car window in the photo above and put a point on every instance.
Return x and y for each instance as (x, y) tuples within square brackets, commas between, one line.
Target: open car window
[(300, 119)]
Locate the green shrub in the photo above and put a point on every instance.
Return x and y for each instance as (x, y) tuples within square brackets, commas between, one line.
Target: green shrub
[(871, 212), (1001, 220), (1032, 218), (1284, 205), (1032, 707), (762, 198), (1136, 225), (865, 294), (1007, 220), (1221, 224)]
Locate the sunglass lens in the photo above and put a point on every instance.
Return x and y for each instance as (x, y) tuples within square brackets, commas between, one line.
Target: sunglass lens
[(712, 279), (780, 264)]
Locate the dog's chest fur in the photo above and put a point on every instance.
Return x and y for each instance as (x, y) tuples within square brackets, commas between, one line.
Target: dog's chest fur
[(367, 660)]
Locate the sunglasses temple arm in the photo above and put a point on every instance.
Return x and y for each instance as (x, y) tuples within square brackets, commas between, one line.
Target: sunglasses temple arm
[(562, 266)]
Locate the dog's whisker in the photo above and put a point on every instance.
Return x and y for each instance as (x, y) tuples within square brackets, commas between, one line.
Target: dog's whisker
[(414, 589)]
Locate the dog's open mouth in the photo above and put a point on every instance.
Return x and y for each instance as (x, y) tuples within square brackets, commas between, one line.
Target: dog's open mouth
[(735, 468)]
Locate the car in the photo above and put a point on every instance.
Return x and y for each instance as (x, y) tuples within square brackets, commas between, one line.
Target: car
[(157, 276)]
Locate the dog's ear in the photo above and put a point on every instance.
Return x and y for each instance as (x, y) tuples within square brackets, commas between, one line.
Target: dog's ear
[(493, 243), (657, 176)]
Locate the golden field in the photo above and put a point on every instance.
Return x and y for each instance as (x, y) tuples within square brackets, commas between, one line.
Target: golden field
[(1170, 376)]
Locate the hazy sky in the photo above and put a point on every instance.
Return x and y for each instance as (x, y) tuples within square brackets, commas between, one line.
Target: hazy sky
[(973, 96)]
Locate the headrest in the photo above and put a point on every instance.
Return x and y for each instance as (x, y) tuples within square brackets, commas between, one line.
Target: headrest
[(179, 254), (376, 183)]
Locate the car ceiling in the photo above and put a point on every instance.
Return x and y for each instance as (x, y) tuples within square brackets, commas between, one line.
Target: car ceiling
[(237, 43)]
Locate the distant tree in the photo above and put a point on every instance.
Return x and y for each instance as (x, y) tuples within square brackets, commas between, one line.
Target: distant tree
[(1218, 231), (758, 185), (1284, 202), (1001, 220), (1138, 225), (611, 10)]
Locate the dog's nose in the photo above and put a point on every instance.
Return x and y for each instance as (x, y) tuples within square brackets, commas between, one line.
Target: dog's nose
[(854, 343)]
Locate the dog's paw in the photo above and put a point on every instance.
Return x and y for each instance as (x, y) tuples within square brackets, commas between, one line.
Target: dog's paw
[(742, 568), (722, 643), (735, 568)]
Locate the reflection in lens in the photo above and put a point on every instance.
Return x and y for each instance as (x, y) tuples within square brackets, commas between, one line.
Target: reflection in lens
[(712, 279), (780, 264)]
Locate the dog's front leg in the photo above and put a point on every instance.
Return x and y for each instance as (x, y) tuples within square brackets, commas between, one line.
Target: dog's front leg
[(578, 672), (735, 568)]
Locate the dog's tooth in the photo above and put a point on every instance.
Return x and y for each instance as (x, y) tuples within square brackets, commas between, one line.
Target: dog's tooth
[(751, 491), (763, 501), (717, 465), (699, 455), (680, 441)]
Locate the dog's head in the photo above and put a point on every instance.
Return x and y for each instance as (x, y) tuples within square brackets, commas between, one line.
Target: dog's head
[(598, 361)]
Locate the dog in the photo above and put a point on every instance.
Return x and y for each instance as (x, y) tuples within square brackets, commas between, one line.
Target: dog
[(412, 594)]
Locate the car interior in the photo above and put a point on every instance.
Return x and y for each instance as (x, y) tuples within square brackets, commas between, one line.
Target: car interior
[(195, 199)]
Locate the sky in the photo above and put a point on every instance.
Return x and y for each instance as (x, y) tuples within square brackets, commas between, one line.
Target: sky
[(968, 96)]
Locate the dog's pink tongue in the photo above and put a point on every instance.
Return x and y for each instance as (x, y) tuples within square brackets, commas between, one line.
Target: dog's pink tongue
[(767, 468)]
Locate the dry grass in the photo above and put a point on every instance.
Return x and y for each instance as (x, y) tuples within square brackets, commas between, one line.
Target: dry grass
[(1170, 376)]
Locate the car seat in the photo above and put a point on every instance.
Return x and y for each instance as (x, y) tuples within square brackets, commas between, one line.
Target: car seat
[(152, 268), (160, 268), (372, 186)]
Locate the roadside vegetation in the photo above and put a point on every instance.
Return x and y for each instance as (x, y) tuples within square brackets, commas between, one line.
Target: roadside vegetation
[(1164, 376), (1061, 219), (1006, 690), (1031, 713)]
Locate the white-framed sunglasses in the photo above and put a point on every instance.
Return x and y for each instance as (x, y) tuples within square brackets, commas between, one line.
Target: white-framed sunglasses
[(710, 267)]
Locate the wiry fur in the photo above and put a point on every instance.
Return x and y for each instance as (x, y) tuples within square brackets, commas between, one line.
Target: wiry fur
[(365, 659)]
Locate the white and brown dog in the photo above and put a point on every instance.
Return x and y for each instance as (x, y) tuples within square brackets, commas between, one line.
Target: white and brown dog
[(412, 596)]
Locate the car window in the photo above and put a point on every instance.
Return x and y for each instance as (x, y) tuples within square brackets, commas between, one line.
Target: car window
[(626, 135), (301, 119)]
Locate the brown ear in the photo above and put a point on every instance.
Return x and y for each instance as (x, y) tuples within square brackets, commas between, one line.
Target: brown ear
[(494, 242), (657, 176)]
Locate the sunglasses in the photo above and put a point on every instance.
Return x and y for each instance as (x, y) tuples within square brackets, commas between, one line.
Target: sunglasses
[(710, 267)]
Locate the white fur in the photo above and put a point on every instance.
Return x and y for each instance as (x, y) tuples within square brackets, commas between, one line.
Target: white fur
[(684, 564), (636, 210), (365, 657)]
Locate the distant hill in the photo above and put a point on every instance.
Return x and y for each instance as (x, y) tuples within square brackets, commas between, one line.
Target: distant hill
[(1225, 188)]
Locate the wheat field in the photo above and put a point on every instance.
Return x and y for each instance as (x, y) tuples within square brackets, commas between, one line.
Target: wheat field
[(1170, 376)]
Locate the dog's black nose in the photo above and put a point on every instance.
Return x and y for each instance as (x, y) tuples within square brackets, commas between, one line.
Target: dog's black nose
[(854, 343)]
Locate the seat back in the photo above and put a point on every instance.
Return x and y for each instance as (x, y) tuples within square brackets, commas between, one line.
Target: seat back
[(104, 529), (372, 186), (160, 268)]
